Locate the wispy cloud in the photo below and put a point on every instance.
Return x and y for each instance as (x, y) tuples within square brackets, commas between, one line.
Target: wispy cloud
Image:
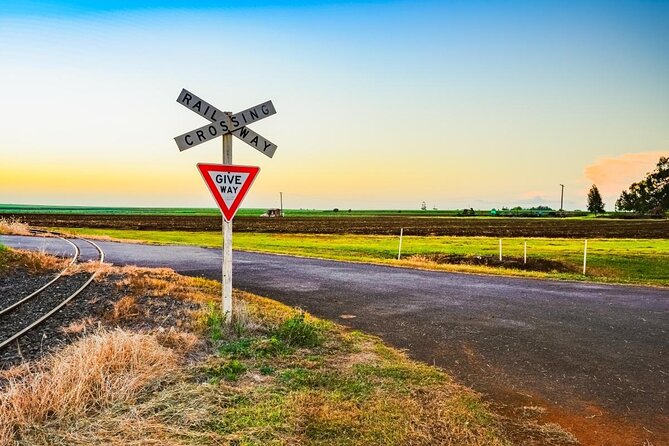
[(614, 174)]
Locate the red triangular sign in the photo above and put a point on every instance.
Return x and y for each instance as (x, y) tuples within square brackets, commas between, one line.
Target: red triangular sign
[(228, 184)]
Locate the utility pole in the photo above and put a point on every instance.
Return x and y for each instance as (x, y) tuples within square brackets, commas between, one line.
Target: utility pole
[(281, 199), (562, 199)]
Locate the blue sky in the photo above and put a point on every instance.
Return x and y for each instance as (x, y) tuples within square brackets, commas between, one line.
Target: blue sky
[(380, 104)]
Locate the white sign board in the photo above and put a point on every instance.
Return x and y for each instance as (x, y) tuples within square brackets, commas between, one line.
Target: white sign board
[(222, 124)]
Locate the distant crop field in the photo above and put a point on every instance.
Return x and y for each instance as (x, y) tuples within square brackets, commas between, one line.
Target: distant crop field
[(243, 212), (371, 225)]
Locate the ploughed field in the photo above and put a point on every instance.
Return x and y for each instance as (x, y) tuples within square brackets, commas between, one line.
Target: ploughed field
[(440, 226)]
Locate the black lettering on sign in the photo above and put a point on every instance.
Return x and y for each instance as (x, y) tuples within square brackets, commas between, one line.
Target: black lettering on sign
[(219, 178), (267, 145), (206, 111), (212, 130), (265, 109), (254, 113), (190, 143), (197, 105), (245, 121), (228, 189), (186, 98), (235, 122), (254, 141), (200, 135), (231, 179), (213, 116), (243, 132), (224, 126)]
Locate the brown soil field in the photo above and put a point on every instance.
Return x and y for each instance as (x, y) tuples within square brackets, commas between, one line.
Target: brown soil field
[(446, 226), (532, 264)]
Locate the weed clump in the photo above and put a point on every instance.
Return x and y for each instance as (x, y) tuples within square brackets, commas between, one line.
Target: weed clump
[(296, 331), (247, 348), (229, 371)]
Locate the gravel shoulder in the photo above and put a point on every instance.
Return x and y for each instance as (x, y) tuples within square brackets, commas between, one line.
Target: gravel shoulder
[(62, 327)]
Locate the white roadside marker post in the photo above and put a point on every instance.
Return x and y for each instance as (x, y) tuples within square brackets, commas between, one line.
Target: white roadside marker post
[(500, 250), (525, 252), (585, 255), (399, 251)]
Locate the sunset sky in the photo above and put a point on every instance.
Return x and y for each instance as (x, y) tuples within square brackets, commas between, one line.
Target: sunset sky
[(380, 104)]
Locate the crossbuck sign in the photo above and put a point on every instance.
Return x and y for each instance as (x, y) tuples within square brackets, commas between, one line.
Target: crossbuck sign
[(228, 183), (222, 124)]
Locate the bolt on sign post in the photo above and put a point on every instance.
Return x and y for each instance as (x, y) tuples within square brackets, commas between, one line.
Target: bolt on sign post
[(228, 183)]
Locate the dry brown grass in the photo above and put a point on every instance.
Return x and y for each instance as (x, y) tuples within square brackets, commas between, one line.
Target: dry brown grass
[(32, 261), (94, 373), (78, 327), (124, 309), (179, 341), (159, 282), (13, 226), (90, 267)]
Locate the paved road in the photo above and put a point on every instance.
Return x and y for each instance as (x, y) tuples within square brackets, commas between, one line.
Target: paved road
[(594, 354)]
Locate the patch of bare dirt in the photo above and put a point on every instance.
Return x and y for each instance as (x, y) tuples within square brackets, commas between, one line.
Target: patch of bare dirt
[(532, 264)]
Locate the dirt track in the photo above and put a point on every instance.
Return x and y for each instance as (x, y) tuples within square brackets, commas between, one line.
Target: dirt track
[(459, 226)]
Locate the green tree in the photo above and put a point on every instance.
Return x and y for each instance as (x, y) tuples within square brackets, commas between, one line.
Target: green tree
[(595, 203), (650, 195)]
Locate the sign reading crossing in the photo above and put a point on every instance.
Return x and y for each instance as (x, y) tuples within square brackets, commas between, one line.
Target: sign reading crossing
[(223, 123), (228, 184)]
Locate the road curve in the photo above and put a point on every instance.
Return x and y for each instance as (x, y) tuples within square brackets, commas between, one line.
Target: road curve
[(596, 352)]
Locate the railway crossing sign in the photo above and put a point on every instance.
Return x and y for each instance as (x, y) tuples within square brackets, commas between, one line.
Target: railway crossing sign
[(223, 123), (228, 184)]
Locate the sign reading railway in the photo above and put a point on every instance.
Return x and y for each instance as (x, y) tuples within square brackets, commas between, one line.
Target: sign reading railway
[(224, 123), (228, 185)]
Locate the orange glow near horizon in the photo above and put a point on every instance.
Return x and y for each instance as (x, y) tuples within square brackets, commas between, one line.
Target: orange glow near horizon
[(612, 175), (380, 105)]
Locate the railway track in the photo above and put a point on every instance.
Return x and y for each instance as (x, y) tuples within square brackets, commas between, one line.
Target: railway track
[(14, 325)]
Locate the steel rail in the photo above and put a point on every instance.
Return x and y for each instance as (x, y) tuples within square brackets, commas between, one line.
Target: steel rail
[(55, 309), (77, 252)]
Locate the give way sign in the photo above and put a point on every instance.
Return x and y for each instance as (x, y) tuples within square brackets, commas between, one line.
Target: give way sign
[(228, 184)]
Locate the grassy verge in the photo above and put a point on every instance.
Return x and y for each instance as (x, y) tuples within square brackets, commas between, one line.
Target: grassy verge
[(632, 261), (275, 376)]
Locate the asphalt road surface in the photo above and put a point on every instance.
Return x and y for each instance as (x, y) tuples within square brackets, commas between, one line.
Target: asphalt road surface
[(596, 356)]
